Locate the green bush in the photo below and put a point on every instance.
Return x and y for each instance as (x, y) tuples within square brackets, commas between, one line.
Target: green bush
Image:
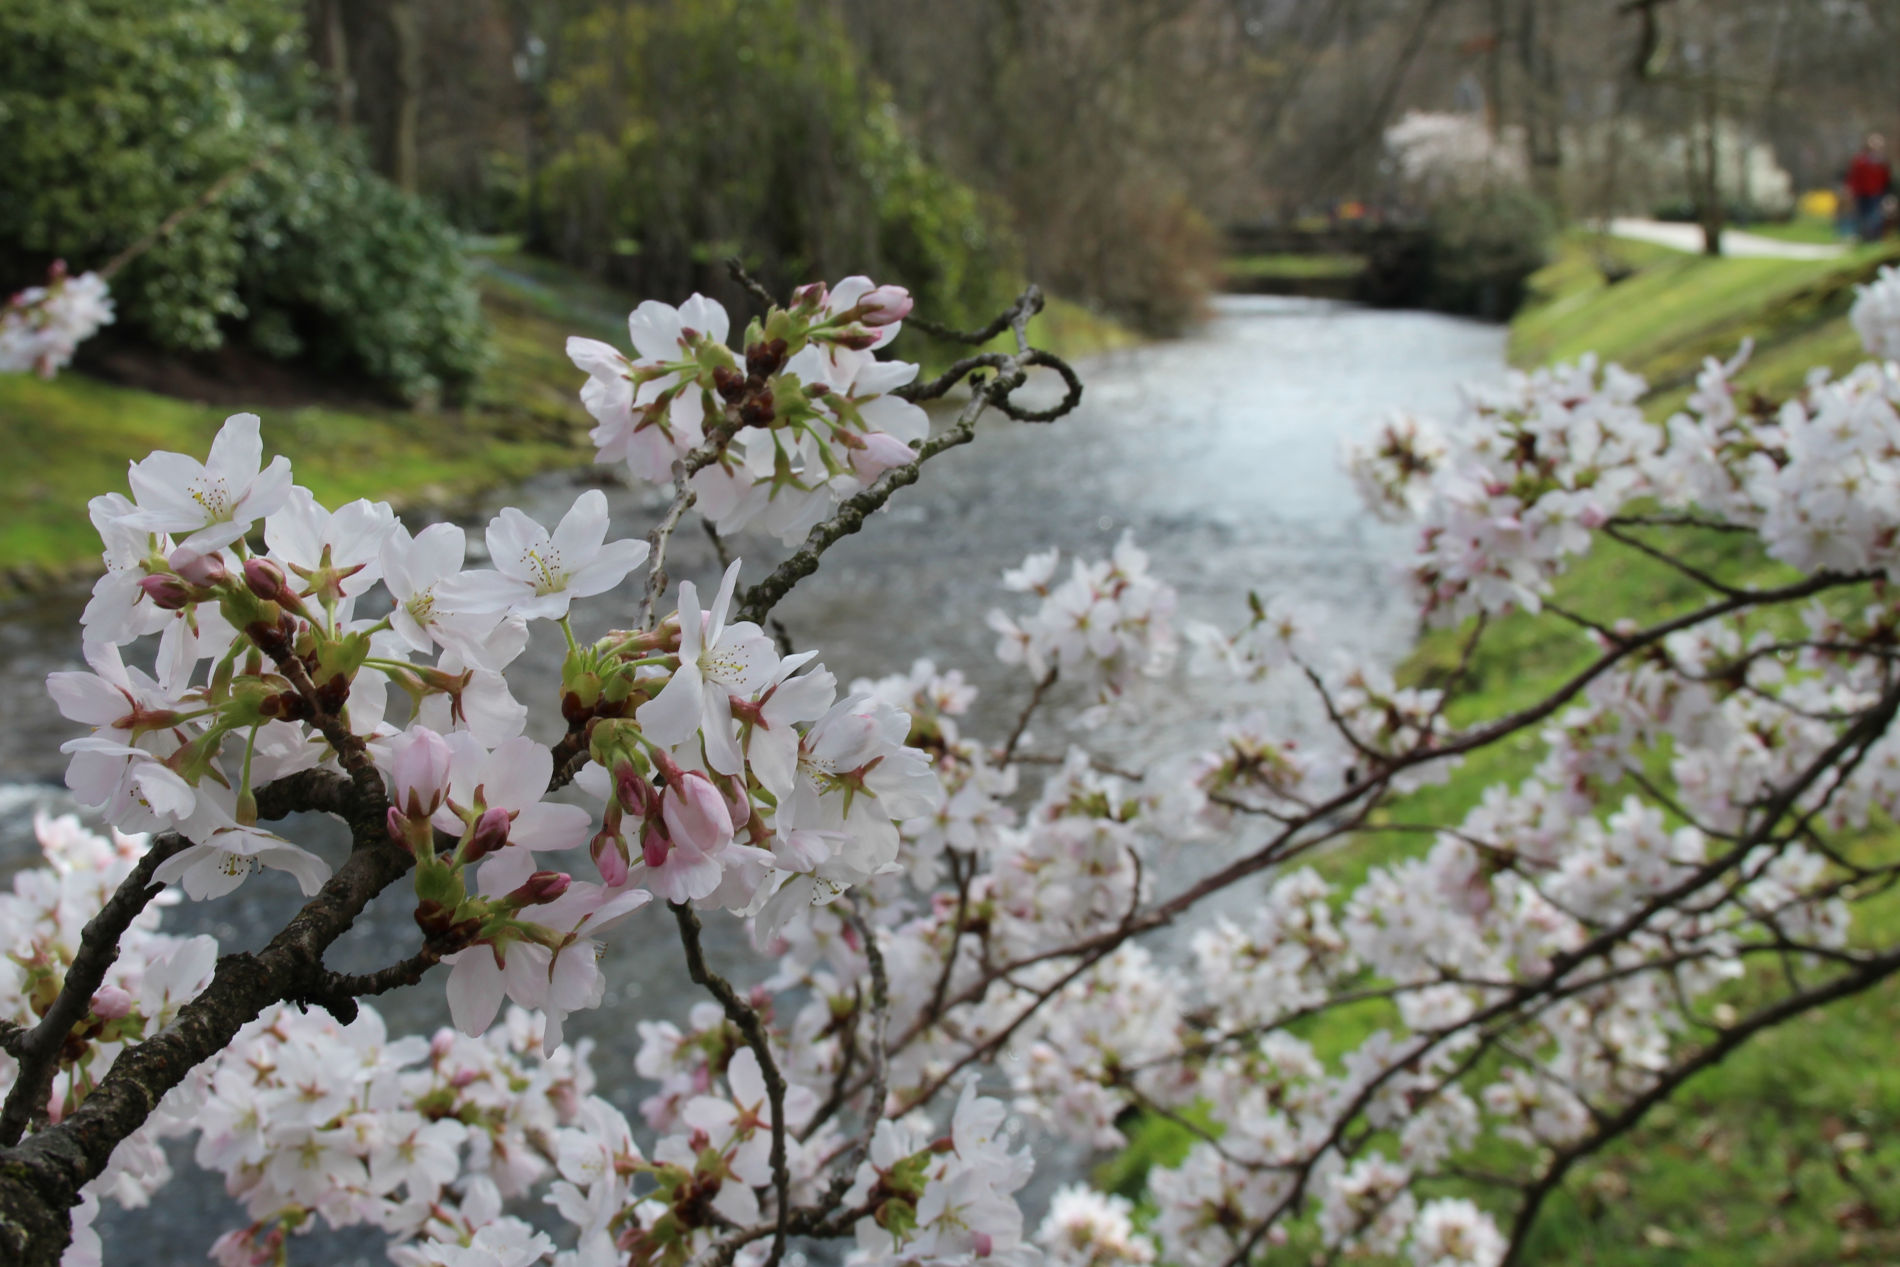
[(116, 114), (392, 298), (1482, 249), (692, 132)]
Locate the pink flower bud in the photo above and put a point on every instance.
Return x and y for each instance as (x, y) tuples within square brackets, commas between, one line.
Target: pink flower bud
[(695, 813), (397, 826), (198, 567), (265, 579), (490, 834), (877, 453), (167, 593), (886, 305), (111, 1003), (811, 296), (609, 852), (419, 771), (542, 886), (637, 796), (442, 1044), (738, 802), (655, 847)]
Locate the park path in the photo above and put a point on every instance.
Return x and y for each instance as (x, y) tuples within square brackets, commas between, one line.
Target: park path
[(1735, 242)]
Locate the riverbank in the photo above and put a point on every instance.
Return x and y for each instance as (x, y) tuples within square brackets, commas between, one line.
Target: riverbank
[(1766, 1157), (1661, 313), (73, 436)]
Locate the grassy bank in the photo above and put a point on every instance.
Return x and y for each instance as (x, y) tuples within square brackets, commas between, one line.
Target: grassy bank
[(78, 433), (1785, 1154), (523, 416), (1671, 310)]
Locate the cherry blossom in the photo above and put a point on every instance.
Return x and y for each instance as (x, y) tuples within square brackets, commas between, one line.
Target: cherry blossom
[(538, 574), (42, 326), (716, 662), (210, 504)]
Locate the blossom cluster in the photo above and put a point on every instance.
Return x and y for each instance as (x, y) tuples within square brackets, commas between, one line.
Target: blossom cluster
[(721, 772), (1876, 314), (819, 416), (42, 326), (41, 920), (1110, 617), (1518, 486), (929, 901)]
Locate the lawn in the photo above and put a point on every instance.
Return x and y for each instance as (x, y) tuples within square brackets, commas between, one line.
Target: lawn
[(524, 416), (1299, 267), (1673, 310), (1814, 230)]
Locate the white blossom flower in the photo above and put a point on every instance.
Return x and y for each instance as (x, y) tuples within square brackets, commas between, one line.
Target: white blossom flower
[(538, 574)]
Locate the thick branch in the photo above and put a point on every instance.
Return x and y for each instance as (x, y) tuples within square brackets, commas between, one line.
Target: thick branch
[(98, 951), (40, 1178)]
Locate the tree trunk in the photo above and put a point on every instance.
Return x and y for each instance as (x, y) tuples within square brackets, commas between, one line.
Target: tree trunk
[(406, 93), (330, 49), (1543, 102), (1712, 209)]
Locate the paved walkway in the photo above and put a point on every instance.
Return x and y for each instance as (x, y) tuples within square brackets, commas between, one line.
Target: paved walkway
[(1735, 242)]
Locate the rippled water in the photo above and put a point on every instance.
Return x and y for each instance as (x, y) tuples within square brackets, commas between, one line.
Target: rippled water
[(1219, 451)]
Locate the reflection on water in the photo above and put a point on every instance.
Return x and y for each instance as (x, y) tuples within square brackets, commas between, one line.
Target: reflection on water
[(1219, 451)]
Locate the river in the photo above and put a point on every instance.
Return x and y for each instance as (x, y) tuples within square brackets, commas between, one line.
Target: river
[(1220, 451)]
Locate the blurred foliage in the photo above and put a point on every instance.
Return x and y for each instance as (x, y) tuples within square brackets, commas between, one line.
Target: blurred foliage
[(1667, 311), (116, 114), (688, 133), (1484, 246), (391, 296)]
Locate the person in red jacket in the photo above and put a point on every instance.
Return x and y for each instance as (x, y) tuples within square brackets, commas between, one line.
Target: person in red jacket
[(1869, 179)]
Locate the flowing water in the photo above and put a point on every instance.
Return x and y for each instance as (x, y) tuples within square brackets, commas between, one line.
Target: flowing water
[(1219, 451)]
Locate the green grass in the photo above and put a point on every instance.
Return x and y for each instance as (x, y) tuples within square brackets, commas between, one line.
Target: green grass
[(1301, 267), (524, 416), (1674, 310), (1808, 229)]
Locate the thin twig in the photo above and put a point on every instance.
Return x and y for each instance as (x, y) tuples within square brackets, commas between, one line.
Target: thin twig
[(737, 271), (880, 1022), (1871, 973), (757, 601), (1021, 728), (746, 1019)]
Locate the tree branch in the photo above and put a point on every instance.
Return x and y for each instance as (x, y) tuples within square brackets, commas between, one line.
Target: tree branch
[(746, 1019), (39, 1049)]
